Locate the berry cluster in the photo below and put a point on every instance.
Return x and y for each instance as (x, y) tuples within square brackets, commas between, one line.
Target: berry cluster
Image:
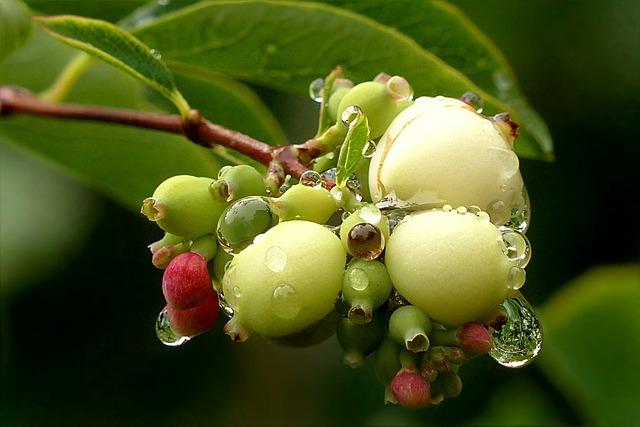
[(384, 261)]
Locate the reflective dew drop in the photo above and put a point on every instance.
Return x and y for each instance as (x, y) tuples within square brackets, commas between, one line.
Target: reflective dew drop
[(515, 246), (315, 89), (474, 100), (275, 259), (447, 208), (165, 334), (358, 279), (369, 149), (311, 178), (285, 302), (365, 241), (370, 213), (520, 215), (351, 114), (516, 278), (519, 340), (461, 210), (224, 306), (155, 53)]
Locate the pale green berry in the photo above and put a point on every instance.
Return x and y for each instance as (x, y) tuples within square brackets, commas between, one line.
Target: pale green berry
[(284, 282), (450, 265), (304, 202), (440, 150), (366, 287), (236, 182), (410, 327), (182, 205)]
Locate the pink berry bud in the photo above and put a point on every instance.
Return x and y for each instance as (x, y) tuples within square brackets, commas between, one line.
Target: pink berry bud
[(196, 320), (474, 339), (410, 389), (186, 281)]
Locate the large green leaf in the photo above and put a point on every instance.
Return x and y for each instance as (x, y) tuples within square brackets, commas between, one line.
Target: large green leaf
[(15, 25), (592, 343), (125, 163), (443, 30), (118, 48), (285, 45), (109, 10)]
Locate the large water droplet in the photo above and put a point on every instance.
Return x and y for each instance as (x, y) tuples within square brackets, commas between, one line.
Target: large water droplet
[(370, 213), (515, 246), (474, 100), (275, 259), (311, 178), (315, 89), (165, 334), (285, 302), (365, 241), (520, 215), (358, 279), (519, 340), (461, 210), (351, 114), (447, 208), (516, 278), (155, 53)]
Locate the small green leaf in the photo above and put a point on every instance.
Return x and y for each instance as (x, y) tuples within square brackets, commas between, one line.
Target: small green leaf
[(351, 150), (592, 343), (15, 25), (118, 48), (285, 45)]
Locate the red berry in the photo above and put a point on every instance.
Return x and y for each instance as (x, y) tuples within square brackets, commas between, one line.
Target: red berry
[(410, 389), (196, 320), (186, 281), (474, 339)]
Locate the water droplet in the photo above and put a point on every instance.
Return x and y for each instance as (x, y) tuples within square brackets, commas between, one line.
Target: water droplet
[(515, 246), (520, 216), (237, 292), (155, 53), (516, 278), (483, 217), (329, 174), (461, 210), (519, 340), (370, 213), (275, 259), (498, 211), (354, 184), (165, 334), (396, 300), (358, 279), (369, 149), (447, 208), (475, 210), (365, 241), (474, 100), (285, 302), (315, 89), (311, 178), (224, 306), (351, 114), (242, 221)]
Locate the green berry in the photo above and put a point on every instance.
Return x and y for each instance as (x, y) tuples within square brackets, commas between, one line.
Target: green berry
[(236, 182), (387, 360), (360, 340), (182, 205), (449, 264), (366, 287), (284, 282), (242, 221), (410, 327), (334, 102), (207, 246), (304, 202)]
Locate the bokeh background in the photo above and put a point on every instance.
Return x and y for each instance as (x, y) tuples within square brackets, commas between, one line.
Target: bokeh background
[(79, 297)]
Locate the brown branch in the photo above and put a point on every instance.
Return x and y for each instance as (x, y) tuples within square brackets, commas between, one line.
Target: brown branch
[(15, 100)]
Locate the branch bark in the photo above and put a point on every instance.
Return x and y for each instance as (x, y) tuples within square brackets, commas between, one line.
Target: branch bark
[(16, 101)]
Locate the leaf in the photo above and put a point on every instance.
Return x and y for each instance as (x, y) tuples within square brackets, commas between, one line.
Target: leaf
[(592, 343), (108, 10), (15, 25), (118, 48), (351, 150), (445, 31), (285, 45)]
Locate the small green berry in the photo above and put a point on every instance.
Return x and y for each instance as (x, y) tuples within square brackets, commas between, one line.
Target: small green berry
[(242, 221), (304, 202), (410, 327), (359, 340), (366, 287), (236, 182)]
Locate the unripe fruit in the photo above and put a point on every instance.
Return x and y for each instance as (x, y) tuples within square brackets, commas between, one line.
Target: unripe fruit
[(440, 150), (387, 360), (184, 206), (410, 327), (359, 340), (410, 389), (449, 264), (366, 286), (219, 266), (195, 320), (334, 102), (236, 182), (242, 221), (304, 202), (287, 280), (186, 282)]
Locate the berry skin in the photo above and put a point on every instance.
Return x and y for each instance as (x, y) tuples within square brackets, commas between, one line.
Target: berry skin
[(195, 320), (287, 280), (440, 150), (186, 282), (448, 264), (359, 340), (410, 389), (184, 206)]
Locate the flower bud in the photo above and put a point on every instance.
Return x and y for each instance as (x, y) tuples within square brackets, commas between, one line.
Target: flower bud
[(440, 150), (186, 282)]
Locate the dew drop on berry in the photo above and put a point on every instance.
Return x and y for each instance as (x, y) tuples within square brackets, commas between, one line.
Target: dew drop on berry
[(369, 149), (516, 278), (365, 241), (447, 208), (311, 178), (515, 246), (474, 100), (165, 333), (483, 217), (461, 210), (275, 258), (520, 216), (224, 306), (285, 302), (358, 279), (351, 114), (519, 340), (315, 89), (370, 213)]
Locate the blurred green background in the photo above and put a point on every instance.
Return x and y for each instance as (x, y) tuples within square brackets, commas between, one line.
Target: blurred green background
[(79, 296)]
